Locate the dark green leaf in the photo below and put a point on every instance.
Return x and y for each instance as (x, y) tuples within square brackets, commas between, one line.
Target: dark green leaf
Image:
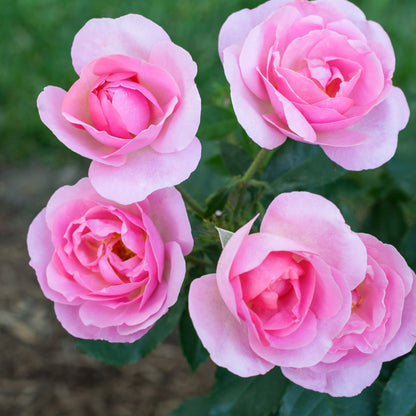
[(287, 157), (236, 159), (125, 353), (216, 201), (402, 166), (408, 247), (299, 166), (365, 404), (386, 222), (301, 402), (192, 348), (197, 406), (216, 122), (253, 396), (399, 395)]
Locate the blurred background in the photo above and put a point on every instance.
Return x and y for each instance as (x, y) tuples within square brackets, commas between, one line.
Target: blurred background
[(41, 371)]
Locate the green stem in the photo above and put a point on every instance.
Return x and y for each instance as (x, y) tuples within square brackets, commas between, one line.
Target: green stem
[(243, 182), (191, 202), (255, 165)]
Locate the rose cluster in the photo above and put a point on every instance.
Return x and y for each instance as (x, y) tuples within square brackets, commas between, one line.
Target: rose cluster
[(305, 293), (308, 294)]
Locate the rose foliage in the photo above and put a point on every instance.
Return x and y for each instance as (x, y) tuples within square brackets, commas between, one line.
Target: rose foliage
[(302, 314)]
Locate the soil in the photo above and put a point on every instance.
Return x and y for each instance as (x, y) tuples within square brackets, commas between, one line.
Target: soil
[(42, 372)]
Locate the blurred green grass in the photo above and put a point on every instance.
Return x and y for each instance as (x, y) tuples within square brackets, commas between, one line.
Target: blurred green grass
[(37, 36)]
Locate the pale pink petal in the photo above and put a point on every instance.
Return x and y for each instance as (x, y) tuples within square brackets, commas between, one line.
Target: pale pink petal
[(317, 223), (295, 120), (248, 108), (382, 125), (144, 172), (180, 128), (68, 195), (350, 10), (245, 20), (168, 213), (131, 35), (78, 140), (256, 247), (380, 43), (256, 48), (346, 382), (308, 349), (174, 272), (405, 338), (225, 263), (221, 334), (68, 316), (387, 255), (41, 251)]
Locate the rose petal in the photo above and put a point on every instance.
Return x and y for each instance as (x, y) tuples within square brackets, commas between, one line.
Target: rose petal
[(245, 20), (78, 140), (381, 125), (144, 172), (221, 334), (316, 223), (173, 223), (346, 382), (248, 108), (101, 37)]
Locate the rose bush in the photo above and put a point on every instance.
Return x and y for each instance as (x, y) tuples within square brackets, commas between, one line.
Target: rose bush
[(307, 294), (134, 111), (111, 270), (381, 327), (317, 72)]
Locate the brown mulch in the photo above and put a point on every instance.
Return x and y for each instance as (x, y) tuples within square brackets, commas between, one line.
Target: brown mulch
[(42, 373)]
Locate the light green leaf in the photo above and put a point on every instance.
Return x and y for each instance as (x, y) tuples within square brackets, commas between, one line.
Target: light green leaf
[(225, 235)]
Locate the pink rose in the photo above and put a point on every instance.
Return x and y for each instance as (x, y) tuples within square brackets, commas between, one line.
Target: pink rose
[(318, 72), (111, 270), (134, 111), (306, 293), (280, 296), (382, 326)]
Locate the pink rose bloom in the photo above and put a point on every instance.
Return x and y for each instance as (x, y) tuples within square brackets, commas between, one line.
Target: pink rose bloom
[(111, 270), (382, 326), (317, 72), (280, 296), (134, 111)]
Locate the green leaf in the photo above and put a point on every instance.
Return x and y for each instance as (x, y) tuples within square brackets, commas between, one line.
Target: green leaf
[(408, 247), (253, 396), (236, 159), (216, 201), (301, 402), (197, 406), (300, 166), (225, 235), (125, 353), (192, 348), (399, 398), (386, 222), (216, 122)]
